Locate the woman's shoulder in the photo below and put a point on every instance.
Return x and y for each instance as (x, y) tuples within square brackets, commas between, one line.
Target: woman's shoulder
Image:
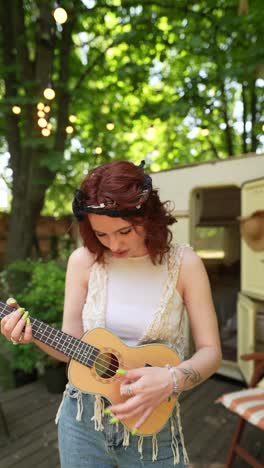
[(81, 257), (185, 257)]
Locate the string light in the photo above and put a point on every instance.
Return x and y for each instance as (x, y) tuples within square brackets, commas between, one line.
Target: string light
[(42, 123), (49, 93), (41, 113), (60, 15), (98, 150), (47, 109), (45, 132), (72, 118), (40, 106), (16, 110), (110, 126), (69, 129), (49, 126), (263, 127), (204, 131)]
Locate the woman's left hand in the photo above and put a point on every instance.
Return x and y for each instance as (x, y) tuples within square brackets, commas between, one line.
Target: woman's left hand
[(148, 387)]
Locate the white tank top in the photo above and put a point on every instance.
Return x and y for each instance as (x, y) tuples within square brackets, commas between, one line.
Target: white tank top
[(134, 291), (115, 299)]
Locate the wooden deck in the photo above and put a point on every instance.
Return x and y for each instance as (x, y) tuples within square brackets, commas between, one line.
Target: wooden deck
[(30, 412)]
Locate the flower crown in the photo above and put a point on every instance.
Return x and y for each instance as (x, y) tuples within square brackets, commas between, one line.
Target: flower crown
[(110, 207)]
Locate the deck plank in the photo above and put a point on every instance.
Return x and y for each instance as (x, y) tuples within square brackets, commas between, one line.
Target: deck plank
[(30, 412)]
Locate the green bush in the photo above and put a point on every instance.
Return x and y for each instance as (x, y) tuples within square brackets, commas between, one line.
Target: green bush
[(41, 292)]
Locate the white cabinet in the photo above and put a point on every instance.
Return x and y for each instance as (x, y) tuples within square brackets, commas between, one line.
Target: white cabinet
[(250, 315), (252, 265)]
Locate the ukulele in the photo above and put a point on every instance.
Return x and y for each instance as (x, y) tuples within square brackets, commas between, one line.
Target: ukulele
[(94, 360)]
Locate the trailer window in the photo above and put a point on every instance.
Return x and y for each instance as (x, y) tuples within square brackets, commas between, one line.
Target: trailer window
[(209, 242)]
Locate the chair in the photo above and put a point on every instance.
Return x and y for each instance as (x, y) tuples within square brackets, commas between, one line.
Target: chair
[(249, 405)]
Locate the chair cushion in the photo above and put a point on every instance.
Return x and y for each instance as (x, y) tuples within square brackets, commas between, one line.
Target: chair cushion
[(249, 404)]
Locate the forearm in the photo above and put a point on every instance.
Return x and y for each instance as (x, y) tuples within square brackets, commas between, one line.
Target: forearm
[(198, 368), (51, 351)]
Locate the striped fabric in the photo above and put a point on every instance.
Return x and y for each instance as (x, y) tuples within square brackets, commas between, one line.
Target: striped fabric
[(247, 403)]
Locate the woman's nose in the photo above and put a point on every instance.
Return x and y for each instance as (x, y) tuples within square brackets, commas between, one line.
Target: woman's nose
[(114, 244)]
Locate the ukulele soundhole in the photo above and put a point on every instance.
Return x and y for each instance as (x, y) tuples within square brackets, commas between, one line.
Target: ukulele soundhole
[(106, 365)]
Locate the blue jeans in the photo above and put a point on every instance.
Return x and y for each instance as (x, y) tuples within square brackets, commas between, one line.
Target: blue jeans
[(81, 446)]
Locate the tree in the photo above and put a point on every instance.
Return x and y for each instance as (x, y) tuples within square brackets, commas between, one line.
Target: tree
[(142, 78)]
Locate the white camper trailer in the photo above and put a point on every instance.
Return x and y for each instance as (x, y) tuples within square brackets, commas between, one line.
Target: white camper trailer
[(209, 198)]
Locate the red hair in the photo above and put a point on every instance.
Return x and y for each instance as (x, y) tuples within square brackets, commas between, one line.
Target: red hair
[(122, 181)]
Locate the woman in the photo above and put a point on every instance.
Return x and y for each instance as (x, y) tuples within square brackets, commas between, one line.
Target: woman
[(130, 278)]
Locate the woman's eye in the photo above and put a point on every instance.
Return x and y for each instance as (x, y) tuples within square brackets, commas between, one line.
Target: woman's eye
[(125, 232), (100, 235)]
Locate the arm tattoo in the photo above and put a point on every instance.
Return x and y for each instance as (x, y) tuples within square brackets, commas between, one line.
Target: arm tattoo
[(191, 376)]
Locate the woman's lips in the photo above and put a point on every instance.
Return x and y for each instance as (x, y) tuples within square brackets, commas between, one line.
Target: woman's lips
[(120, 253)]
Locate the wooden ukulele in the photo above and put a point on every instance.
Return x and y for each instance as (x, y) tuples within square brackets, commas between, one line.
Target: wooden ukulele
[(95, 359)]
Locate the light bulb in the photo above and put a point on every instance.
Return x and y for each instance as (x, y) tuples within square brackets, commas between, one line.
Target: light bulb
[(16, 110), (49, 126), (69, 129), (204, 132), (110, 126), (41, 113), (72, 118), (49, 93), (47, 109), (42, 123), (60, 15), (98, 150), (45, 132), (40, 106)]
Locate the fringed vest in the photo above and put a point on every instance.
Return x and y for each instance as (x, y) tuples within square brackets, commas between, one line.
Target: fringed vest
[(167, 327)]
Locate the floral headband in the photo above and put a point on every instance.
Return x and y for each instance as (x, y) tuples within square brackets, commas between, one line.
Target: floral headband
[(110, 207)]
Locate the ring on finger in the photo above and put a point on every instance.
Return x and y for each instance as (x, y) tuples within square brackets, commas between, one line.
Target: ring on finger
[(16, 342), (130, 390)]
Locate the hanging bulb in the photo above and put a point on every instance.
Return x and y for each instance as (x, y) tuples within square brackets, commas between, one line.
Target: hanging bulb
[(49, 126), (47, 109), (16, 110), (204, 131), (42, 123), (69, 129), (40, 106), (49, 93), (72, 118), (60, 15), (110, 126), (98, 150), (45, 132), (41, 114)]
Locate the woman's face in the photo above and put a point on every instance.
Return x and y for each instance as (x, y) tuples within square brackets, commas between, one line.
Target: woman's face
[(120, 236)]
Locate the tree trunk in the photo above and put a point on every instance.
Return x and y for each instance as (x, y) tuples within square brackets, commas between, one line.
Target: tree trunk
[(253, 96), (244, 134), (31, 176), (27, 202), (228, 130)]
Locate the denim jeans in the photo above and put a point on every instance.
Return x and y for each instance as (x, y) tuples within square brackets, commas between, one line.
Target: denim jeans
[(81, 446)]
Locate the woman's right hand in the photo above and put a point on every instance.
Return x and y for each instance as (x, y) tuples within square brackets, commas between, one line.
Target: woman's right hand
[(16, 326)]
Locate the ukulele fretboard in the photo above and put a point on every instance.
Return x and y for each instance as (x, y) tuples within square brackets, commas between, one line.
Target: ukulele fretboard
[(57, 339)]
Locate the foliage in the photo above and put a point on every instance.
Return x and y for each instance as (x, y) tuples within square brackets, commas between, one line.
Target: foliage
[(159, 71), (42, 295)]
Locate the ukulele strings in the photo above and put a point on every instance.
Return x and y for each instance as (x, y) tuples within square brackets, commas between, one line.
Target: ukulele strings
[(105, 365)]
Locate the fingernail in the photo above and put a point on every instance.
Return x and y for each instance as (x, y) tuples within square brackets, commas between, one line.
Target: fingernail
[(21, 310), (28, 322), (107, 411), (134, 431), (113, 420), (25, 316), (121, 371), (11, 301)]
